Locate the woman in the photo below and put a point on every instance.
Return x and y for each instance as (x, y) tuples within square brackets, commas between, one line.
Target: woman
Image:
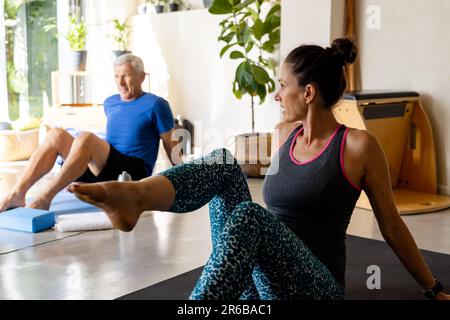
[(296, 248)]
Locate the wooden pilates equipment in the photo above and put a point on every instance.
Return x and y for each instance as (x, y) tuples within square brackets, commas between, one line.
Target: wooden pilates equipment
[(399, 122), (350, 32)]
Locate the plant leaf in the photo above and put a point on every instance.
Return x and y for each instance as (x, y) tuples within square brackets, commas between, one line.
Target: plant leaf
[(224, 49), (258, 29), (262, 93), (236, 90), (227, 38), (243, 35), (253, 12), (268, 46), (236, 55), (249, 47), (274, 10), (243, 5), (260, 75), (271, 23), (244, 75), (275, 37), (221, 7)]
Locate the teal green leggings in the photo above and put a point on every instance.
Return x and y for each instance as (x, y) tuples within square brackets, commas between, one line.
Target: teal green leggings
[(254, 255)]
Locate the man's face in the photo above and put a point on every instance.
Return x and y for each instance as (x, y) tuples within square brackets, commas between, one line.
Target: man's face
[(128, 81)]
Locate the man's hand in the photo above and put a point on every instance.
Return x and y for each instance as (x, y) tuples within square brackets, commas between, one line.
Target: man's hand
[(171, 147)]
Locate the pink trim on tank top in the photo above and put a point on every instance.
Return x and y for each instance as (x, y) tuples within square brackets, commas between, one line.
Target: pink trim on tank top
[(291, 152), (342, 161)]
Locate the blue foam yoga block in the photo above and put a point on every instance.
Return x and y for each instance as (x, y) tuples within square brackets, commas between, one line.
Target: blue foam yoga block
[(27, 219)]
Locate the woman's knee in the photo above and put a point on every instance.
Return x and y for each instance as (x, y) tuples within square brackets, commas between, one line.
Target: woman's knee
[(249, 209), (224, 156)]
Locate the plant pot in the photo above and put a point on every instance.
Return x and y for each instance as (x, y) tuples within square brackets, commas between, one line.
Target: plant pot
[(77, 60), (207, 3), (174, 7), (118, 53), (159, 8), (5, 126), (253, 151), (142, 9)]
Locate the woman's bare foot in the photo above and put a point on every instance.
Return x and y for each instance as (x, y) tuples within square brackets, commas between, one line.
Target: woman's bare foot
[(11, 201), (120, 201)]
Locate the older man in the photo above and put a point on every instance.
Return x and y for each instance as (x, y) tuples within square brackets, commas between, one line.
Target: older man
[(136, 121)]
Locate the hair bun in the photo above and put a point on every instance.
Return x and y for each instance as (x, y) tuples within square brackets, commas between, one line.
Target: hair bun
[(344, 49)]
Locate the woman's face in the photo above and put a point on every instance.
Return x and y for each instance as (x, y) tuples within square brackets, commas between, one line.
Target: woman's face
[(291, 96)]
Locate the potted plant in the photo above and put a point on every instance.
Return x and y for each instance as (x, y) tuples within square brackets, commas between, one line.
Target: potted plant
[(76, 35), (252, 37), (160, 5), (120, 37), (175, 5), (207, 3), (142, 8)]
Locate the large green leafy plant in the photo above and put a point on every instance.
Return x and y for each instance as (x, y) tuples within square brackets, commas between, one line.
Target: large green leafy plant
[(251, 34)]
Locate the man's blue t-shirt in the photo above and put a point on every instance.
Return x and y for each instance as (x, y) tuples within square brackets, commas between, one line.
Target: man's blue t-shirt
[(133, 127)]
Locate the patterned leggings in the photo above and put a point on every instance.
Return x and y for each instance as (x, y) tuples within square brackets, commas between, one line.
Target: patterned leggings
[(254, 255)]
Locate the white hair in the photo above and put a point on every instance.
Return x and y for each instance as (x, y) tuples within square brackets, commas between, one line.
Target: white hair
[(131, 59)]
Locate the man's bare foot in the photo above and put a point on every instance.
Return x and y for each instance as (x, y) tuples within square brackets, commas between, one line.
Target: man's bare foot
[(40, 203), (11, 201), (119, 200)]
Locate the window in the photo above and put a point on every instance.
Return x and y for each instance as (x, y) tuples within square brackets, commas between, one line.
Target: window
[(29, 54)]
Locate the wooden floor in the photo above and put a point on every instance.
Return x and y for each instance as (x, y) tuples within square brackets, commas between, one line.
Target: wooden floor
[(109, 264)]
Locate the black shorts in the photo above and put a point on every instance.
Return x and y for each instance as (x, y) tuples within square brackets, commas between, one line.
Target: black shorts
[(115, 165)]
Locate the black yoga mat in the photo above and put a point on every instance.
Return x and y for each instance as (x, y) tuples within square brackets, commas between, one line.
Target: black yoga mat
[(395, 282)]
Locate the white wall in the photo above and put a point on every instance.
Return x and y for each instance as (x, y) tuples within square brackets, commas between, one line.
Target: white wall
[(410, 51), (99, 16), (199, 87), (310, 22)]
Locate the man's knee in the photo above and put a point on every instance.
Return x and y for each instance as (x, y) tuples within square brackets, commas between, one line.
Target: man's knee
[(57, 137), (85, 139), (89, 144)]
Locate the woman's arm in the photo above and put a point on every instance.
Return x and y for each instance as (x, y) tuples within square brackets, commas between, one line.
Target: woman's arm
[(377, 185)]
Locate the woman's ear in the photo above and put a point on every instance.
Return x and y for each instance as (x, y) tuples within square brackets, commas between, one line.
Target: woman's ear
[(310, 93)]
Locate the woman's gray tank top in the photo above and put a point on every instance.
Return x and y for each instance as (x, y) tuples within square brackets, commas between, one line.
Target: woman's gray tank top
[(314, 198)]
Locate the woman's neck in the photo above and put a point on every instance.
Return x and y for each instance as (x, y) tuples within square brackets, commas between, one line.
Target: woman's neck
[(318, 124)]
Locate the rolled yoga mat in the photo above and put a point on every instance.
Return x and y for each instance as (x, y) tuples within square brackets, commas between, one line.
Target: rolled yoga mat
[(82, 222)]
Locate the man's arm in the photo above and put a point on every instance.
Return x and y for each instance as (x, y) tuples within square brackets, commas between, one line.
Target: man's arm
[(172, 147)]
